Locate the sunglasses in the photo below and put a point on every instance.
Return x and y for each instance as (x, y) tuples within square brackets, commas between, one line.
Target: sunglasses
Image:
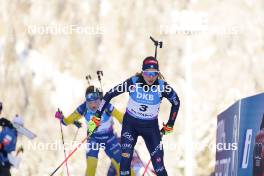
[(1, 106), (92, 96), (150, 73)]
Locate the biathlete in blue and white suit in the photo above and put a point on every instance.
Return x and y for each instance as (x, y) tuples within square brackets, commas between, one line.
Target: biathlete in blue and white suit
[(146, 91), (8, 141)]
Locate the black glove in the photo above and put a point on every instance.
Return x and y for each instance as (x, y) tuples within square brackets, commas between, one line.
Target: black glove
[(77, 124), (5, 123)]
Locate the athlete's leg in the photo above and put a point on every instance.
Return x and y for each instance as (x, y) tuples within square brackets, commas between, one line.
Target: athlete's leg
[(128, 140), (91, 157), (5, 170), (152, 138), (113, 151)]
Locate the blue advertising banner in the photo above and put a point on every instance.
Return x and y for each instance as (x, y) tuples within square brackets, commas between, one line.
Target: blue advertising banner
[(227, 142), (240, 139)]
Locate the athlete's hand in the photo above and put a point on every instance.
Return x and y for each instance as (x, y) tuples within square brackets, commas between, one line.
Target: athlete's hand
[(77, 124), (93, 124), (59, 115), (166, 129)]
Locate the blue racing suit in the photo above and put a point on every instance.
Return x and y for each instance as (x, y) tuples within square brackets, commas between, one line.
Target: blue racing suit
[(141, 118), (103, 137), (8, 139)]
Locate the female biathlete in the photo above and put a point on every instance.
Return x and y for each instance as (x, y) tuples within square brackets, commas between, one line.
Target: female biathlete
[(103, 137), (146, 91)]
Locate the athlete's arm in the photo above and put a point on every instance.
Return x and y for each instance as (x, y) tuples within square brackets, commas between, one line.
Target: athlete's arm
[(118, 115), (173, 98), (76, 115), (117, 90)]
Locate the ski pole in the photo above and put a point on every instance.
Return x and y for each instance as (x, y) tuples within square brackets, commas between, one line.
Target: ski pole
[(65, 160), (156, 43), (75, 135), (78, 125), (1, 107), (99, 75), (88, 78), (141, 160), (146, 168), (64, 149)]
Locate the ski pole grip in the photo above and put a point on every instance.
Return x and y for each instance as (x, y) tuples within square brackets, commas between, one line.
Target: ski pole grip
[(160, 44)]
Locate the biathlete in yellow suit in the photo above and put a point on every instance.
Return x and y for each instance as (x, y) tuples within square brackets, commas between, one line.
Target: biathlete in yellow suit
[(104, 136)]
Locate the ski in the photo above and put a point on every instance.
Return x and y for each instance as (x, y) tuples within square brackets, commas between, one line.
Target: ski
[(24, 131)]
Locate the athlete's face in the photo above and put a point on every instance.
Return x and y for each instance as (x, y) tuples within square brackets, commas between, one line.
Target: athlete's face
[(150, 75), (93, 105)]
